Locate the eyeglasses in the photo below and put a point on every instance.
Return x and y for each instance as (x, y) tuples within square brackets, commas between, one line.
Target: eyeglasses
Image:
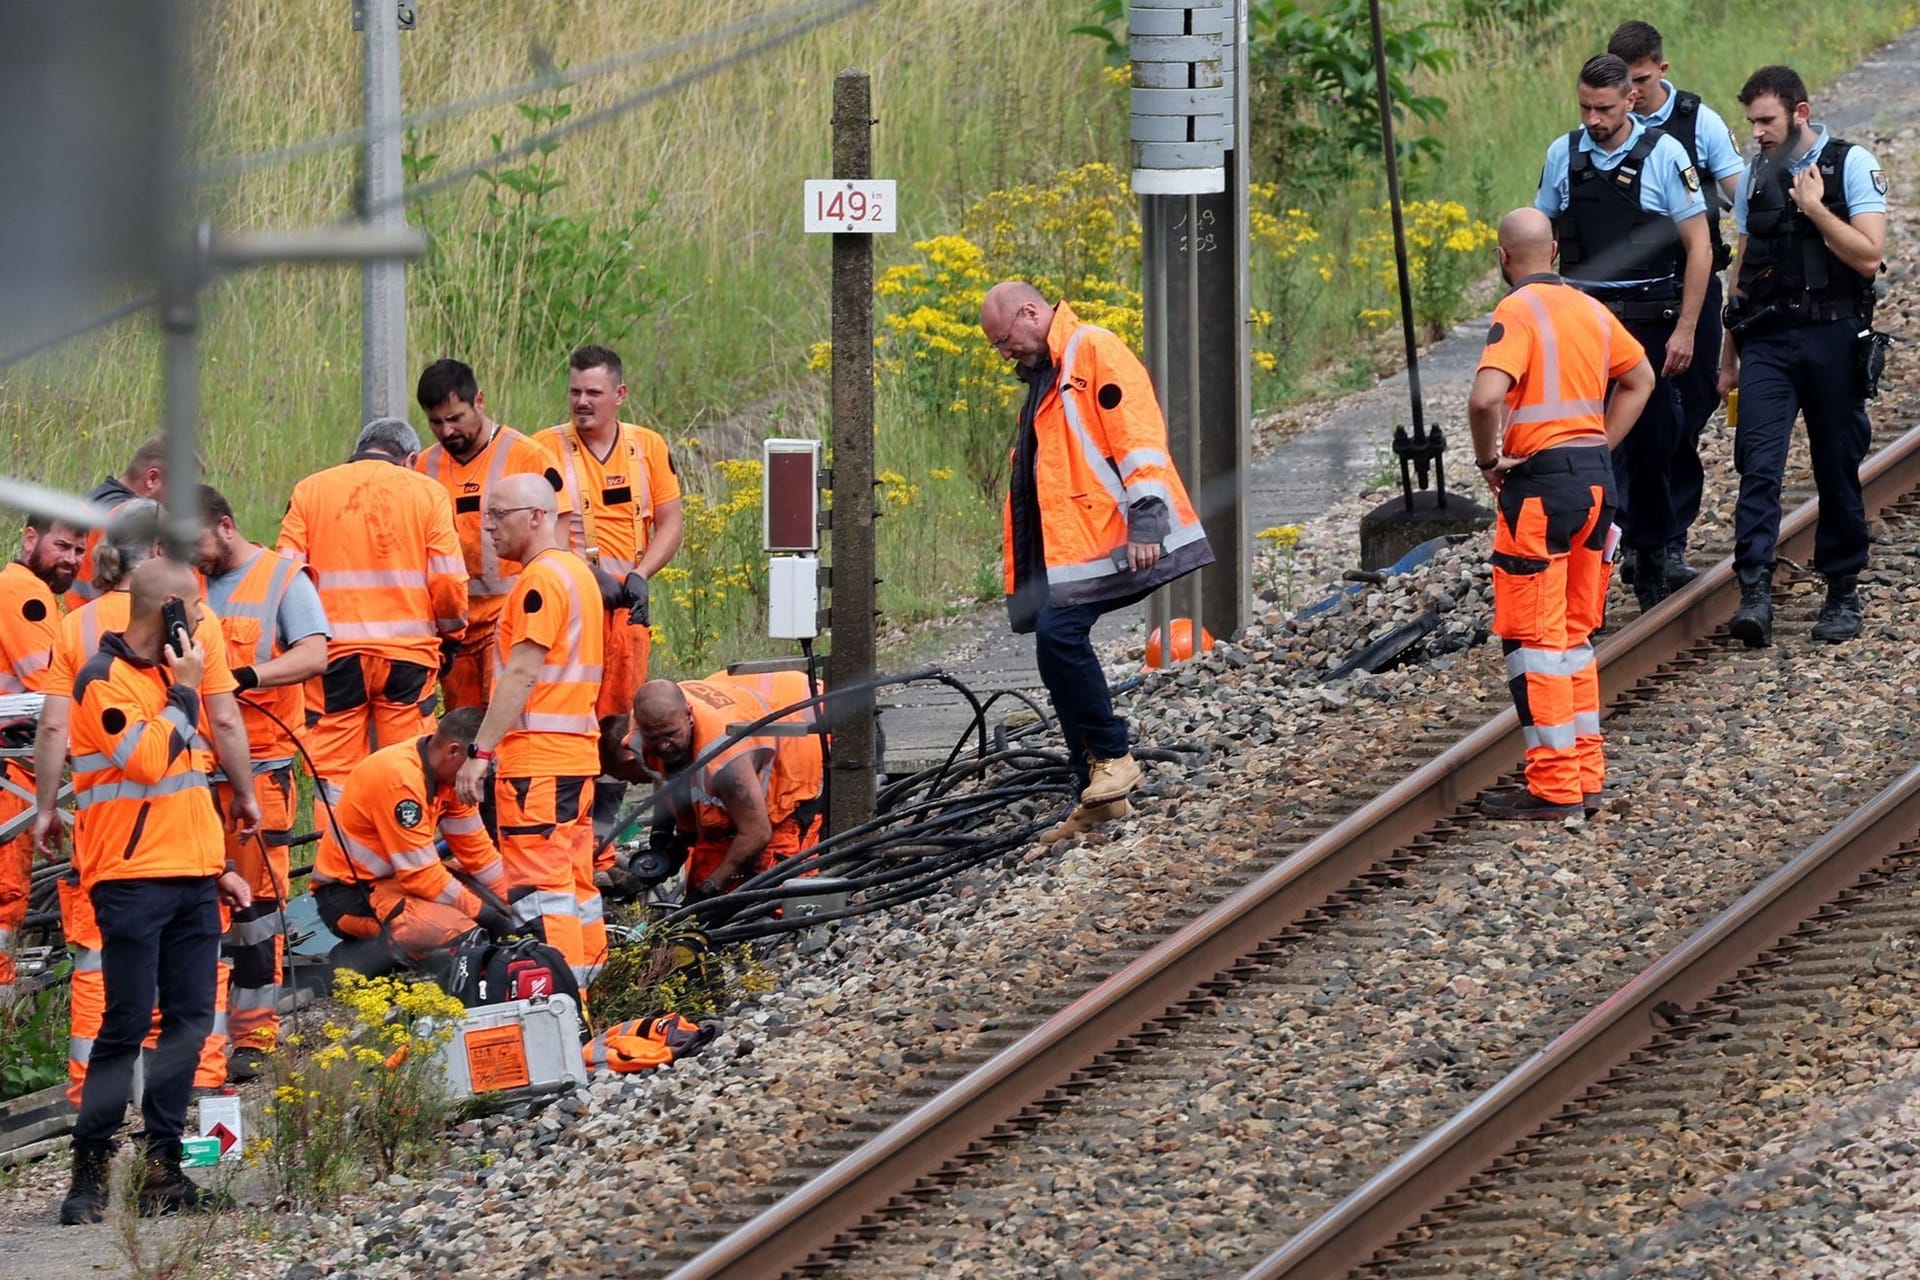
[(1006, 337), (497, 514)]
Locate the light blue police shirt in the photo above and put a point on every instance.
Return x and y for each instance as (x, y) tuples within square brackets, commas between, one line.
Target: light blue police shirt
[(1719, 154), (1668, 183), (1864, 181)]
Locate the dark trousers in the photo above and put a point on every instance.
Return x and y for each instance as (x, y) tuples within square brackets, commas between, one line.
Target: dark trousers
[(1699, 390), (160, 945), (1807, 369), (1063, 650), (1640, 464)]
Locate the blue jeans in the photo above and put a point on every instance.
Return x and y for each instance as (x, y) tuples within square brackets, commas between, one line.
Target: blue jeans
[(160, 945), (1063, 650), (1807, 369)]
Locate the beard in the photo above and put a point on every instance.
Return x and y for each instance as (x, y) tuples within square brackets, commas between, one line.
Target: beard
[(58, 580)]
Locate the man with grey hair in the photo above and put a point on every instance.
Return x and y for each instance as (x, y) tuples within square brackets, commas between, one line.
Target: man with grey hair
[(380, 539)]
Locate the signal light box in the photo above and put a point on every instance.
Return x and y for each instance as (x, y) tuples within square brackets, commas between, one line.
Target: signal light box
[(790, 496)]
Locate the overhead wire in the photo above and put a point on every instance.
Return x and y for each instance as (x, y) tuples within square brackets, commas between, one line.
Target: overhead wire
[(828, 11), (555, 78)]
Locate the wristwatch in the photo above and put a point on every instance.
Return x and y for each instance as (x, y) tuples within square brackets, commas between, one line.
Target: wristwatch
[(1487, 466), (476, 752)]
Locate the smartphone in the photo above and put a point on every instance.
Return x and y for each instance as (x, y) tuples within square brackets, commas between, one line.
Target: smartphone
[(173, 617)]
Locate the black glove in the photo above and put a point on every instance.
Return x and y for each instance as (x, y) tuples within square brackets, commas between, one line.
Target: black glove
[(613, 592), (246, 677), (495, 921), (636, 593), (449, 648)]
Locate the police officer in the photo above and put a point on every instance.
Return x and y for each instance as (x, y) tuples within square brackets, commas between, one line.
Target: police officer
[(1715, 154), (1812, 215), (1627, 210)]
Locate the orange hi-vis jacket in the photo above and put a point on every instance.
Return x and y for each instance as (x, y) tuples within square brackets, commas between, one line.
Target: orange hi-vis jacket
[(1101, 449), (1561, 348), (141, 802), (613, 501), (250, 622), (29, 631), (389, 818), (83, 631), (554, 604), (385, 556), (468, 484)]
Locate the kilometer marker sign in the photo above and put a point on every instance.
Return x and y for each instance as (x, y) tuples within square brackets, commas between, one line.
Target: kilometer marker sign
[(850, 204)]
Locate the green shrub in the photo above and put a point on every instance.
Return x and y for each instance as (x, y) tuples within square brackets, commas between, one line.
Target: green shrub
[(33, 1039)]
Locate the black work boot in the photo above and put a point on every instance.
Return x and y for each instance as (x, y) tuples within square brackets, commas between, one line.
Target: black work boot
[(1679, 572), (1840, 615), (1752, 622), (1650, 579), (86, 1200), (165, 1188)]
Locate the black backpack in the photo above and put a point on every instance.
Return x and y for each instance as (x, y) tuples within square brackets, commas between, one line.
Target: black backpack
[(483, 971)]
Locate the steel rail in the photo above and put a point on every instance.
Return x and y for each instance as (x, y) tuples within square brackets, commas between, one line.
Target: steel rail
[(787, 1232), (1445, 1160)]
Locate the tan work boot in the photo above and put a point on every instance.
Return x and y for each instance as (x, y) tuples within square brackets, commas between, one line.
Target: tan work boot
[(1085, 817), (1111, 780)]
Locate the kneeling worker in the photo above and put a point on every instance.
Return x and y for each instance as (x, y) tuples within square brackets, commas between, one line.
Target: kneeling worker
[(756, 801), (378, 875)]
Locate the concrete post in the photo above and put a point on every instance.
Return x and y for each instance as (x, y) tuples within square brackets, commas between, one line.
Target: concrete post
[(850, 613), (383, 333)]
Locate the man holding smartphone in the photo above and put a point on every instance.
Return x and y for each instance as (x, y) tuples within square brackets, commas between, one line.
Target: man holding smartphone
[(150, 854)]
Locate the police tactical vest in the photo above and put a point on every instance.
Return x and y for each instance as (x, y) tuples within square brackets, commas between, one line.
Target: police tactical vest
[(1683, 126), (1787, 260), (1606, 232)]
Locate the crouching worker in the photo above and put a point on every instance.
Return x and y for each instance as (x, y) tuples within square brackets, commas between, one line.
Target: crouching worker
[(738, 808), (378, 880)]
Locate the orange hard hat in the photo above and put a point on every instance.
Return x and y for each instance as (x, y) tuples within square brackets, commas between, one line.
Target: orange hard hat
[(1182, 647)]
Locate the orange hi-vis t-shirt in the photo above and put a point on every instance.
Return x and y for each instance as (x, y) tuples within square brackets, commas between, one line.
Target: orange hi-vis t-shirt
[(1562, 349), (613, 500), (556, 605), (29, 632), (508, 453), (80, 633)]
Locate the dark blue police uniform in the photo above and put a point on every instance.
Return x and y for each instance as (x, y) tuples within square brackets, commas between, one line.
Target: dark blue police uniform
[(1799, 326), (1616, 216)]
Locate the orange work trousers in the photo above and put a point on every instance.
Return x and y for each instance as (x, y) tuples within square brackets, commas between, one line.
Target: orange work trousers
[(628, 649), (414, 927), (16, 875), (1551, 566), (469, 681), (254, 945), (89, 997), (362, 703), (546, 845)]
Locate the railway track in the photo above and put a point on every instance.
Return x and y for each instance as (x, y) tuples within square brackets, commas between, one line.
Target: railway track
[(1109, 1066)]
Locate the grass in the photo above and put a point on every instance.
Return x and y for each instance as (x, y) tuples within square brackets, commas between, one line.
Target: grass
[(972, 96)]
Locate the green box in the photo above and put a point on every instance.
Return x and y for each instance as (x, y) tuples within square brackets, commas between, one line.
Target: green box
[(199, 1153)]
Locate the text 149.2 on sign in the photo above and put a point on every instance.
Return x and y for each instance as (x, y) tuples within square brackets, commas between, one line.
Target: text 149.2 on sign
[(850, 204)]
